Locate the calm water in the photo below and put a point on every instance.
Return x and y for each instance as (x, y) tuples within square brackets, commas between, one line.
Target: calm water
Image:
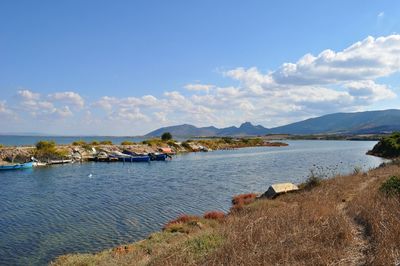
[(52, 211)]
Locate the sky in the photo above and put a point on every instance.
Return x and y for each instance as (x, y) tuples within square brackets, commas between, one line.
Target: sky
[(128, 67)]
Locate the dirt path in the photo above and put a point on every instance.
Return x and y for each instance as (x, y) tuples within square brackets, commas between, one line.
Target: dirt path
[(356, 254)]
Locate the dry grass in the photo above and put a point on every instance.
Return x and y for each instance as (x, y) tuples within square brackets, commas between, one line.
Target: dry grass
[(342, 221), (379, 214), (296, 229)]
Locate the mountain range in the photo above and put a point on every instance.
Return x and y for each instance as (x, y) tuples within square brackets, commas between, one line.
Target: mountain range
[(370, 122)]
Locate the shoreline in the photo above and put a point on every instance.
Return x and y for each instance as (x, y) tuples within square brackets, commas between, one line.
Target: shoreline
[(80, 151)]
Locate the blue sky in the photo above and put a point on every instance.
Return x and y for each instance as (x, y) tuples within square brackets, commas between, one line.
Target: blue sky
[(127, 67)]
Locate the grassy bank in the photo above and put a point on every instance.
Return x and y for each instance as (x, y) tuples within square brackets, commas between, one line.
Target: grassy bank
[(346, 220), (387, 147)]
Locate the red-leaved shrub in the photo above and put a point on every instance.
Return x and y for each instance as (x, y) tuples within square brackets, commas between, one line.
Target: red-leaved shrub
[(244, 199), (184, 218), (214, 215)]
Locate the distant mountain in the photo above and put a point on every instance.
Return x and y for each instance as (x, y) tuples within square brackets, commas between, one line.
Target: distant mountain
[(371, 122), (185, 130), (246, 129)]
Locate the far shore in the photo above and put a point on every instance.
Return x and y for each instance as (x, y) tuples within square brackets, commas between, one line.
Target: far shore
[(47, 151)]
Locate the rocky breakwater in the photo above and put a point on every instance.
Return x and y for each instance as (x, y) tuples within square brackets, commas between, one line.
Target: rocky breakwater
[(49, 151)]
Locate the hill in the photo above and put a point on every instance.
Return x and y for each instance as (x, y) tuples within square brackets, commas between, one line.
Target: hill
[(245, 129), (370, 122)]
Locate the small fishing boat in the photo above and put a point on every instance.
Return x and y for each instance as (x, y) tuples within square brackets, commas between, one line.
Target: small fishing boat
[(38, 164), (133, 159), (158, 156), (16, 166), (59, 162)]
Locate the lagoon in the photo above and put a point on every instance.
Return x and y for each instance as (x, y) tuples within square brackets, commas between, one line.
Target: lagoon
[(47, 212)]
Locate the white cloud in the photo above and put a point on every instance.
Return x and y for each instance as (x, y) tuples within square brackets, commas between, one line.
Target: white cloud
[(370, 91), (199, 87), (381, 14), (44, 108), (4, 110), (62, 112), (366, 60), (129, 114), (68, 97), (27, 95)]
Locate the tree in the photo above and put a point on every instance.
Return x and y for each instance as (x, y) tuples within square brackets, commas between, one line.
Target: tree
[(166, 136)]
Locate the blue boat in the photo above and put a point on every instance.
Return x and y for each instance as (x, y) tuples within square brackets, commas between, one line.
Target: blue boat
[(158, 156), (16, 166), (133, 159)]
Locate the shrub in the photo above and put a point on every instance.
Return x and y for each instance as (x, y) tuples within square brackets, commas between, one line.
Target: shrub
[(106, 142), (42, 145), (312, 181), (243, 199), (153, 142), (127, 143), (214, 215), (182, 219), (166, 136), (47, 150), (186, 145), (87, 147), (1, 146), (227, 140), (391, 186), (95, 143), (79, 143)]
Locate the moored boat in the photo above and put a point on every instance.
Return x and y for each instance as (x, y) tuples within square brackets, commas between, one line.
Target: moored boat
[(59, 162), (133, 159), (158, 156), (16, 166)]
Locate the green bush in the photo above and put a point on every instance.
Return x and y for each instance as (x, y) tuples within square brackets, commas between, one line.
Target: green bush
[(106, 142), (391, 186), (42, 145), (79, 143), (388, 147), (166, 136), (127, 143), (87, 147), (1, 146), (153, 142), (227, 140), (48, 150)]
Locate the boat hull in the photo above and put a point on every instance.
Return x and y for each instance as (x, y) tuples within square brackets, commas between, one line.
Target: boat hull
[(158, 157), (17, 166), (134, 159)]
